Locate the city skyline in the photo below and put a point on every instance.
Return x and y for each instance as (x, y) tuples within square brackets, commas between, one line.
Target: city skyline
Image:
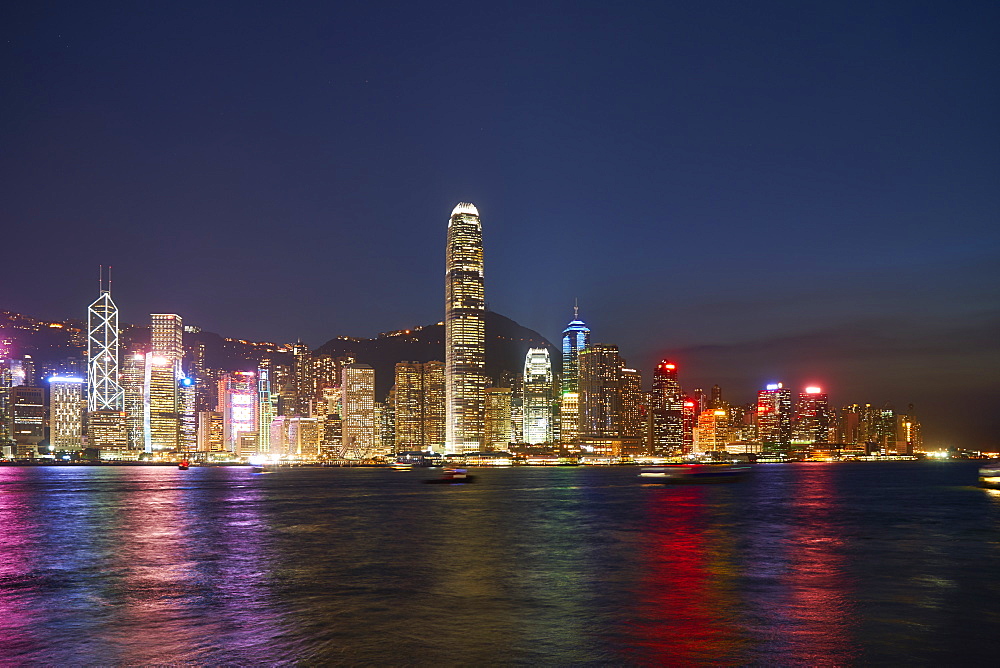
[(796, 195)]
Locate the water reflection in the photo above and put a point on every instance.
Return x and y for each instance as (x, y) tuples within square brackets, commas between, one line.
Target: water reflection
[(121, 565), (685, 604), (819, 606)]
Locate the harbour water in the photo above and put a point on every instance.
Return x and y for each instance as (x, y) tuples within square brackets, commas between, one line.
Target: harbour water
[(800, 564)]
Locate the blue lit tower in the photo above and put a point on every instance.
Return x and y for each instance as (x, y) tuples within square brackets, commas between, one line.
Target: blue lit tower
[(465, 332), (103, 391), (575, 338)]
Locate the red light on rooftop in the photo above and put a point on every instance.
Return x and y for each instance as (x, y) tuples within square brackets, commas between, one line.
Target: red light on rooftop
[(814, 390)]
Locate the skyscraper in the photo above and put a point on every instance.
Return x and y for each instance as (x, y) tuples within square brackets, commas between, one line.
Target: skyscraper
[(600, 392), (418, 405), (238, 393), (465, 331), (358, 417), (774, 417), (103, 391), (811, 422), (537, 407), (65, 412), (498, 418), (161, 398), (666, 411), (575, 338)]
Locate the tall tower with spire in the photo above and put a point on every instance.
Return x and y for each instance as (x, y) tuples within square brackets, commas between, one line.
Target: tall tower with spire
[(465, 332), (103, 391), (575, 338)]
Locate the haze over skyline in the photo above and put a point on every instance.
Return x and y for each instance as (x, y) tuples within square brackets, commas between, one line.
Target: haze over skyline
[(762, 192)]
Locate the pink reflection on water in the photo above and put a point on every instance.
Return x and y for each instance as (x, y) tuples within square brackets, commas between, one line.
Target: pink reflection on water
[(20, 533)]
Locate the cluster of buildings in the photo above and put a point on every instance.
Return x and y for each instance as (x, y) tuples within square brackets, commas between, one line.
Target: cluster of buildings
[(160, 399)]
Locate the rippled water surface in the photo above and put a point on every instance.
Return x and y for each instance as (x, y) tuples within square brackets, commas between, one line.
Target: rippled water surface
[(802, 564)]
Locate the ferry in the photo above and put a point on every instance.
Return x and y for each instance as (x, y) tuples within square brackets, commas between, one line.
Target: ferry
[(989, 474), (693, 474), (452, 476)]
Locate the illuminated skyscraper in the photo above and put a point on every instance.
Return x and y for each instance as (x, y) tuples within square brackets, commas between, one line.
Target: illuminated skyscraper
[(167, 336), (575, 338), (419, 407), (26, 417), (498, 418), (133, 385), (187, 395), (774, 417), (600, 392), (161, 419), (633, 404), (465, 331), (358, 417), (811, 421), (266, 408), (537, 407), (66, 412), (161, 398), (238, 405), (103, 391), (666, 411)]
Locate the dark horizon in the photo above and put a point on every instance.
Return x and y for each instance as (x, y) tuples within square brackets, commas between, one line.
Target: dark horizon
[(767, 192)]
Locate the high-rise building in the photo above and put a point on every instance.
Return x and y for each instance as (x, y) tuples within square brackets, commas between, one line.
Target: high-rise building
[(66, 404), (811, 421), (498, 418), (210, 432), (419, 406), (238, 405), (465, 331), (908, 433), (133, 385), (712, 430), (187, 395), (26, 417), (600, 381), (774, 417), (537, 406), (633, 404), (103, 391), (575, 338), (266, 408), (161, 418), (167, 336), (108, 432), (161, 396), (358, 418), (666, 412), (716, 400)]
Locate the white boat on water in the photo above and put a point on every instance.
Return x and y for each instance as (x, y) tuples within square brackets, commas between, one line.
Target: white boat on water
[(699, 474), (989, 474)]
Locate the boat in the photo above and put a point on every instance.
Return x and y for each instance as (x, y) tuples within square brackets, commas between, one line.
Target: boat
[(699, 474), (183, 465), (452, 477), (401, 466), (989, 474)]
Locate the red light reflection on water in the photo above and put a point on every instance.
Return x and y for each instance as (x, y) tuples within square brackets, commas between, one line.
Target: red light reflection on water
[(683, 600), (818, 605)]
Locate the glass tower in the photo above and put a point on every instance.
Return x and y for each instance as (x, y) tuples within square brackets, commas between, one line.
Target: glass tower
[(465, 332), (537, 415), (575, 338)]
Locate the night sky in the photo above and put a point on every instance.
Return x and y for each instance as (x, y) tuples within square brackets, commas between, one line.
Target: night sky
[(763, 191)]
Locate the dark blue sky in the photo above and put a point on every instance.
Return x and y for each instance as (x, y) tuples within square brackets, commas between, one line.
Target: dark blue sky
[(805, 192)]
